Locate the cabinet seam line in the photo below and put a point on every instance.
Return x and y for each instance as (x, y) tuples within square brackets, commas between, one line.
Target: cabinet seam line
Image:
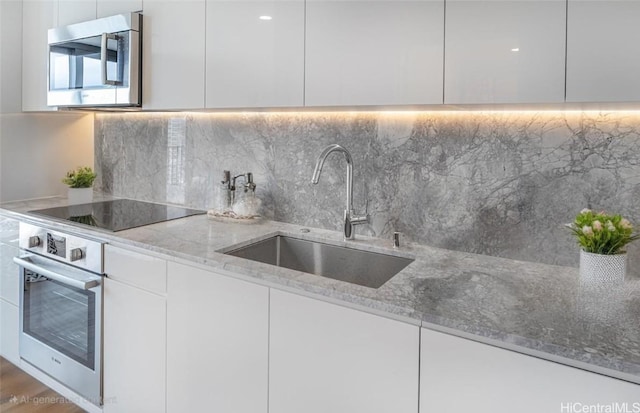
[(268, 349), (204, 75), (566, 46), (444, 48), (419, 363), (304, 56)]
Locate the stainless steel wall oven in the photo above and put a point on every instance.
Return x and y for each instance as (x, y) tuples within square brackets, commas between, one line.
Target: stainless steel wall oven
[(61, 307)]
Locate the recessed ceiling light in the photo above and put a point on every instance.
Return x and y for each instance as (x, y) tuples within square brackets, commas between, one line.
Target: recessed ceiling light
[(515, 49), (265, 17)]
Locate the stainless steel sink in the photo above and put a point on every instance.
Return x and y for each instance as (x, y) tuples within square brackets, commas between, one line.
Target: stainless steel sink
[(369, 269)]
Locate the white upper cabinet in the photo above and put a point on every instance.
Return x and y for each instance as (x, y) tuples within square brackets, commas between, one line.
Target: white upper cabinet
[(75, 11), (107, 8), (378, 52), (38, 16), (505, 51), (173, 54), (11, 56), (603, 63), (255, 53)]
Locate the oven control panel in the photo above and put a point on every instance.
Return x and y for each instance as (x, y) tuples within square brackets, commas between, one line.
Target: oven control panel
[(72, 249)]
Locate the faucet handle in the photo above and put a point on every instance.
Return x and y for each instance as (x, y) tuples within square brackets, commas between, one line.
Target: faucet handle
[(249, 185), (358, 219), (396, 239), (226, 178)]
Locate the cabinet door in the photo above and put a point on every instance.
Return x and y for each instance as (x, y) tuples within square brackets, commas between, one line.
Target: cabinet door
[(9, 279), (139, 270), (505, 51), (134, 349), (603, 63), (255, 53), (374, 52), (459, 375), (11, 59), (173, 54), (217, 343), (327, 358), (38, 17), (106, 8), (9, 331), (75, 11)]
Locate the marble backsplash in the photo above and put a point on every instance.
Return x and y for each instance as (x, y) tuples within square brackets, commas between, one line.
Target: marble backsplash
[(496, 183)]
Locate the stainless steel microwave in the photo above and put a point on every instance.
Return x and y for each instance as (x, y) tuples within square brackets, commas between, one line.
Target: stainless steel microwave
[(96, 63)]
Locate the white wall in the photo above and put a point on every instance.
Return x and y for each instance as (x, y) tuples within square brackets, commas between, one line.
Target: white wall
[(10, 56), (37, 149)]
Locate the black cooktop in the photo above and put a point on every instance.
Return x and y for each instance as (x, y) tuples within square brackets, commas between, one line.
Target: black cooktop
[(117, 215)]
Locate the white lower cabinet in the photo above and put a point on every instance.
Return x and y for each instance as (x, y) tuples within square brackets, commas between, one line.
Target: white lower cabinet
[(327, 358), (134, 349), (460, 375), (9, 331), (9, 291), (9, 274), (217, 343)]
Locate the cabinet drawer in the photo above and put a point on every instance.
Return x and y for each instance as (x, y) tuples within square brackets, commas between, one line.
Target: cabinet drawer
[(136, 269)]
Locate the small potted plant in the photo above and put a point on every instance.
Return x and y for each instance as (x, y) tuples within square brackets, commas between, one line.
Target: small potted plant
[(80, 182), (602, 239)]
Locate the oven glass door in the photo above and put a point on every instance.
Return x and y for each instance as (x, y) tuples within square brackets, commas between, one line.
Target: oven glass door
[(60, 316), (61, 321)]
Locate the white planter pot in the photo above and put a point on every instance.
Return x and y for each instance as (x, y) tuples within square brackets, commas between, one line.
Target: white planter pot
[(80, 196), (601, 295), (597, 270)]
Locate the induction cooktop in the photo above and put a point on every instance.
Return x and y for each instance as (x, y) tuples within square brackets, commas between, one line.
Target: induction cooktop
[(118, 214)]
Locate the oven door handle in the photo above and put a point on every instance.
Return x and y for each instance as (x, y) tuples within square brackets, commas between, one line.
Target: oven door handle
[(83, 285)]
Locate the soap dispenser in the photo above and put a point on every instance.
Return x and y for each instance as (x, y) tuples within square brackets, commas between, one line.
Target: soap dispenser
[(247, 204), (224, 193)]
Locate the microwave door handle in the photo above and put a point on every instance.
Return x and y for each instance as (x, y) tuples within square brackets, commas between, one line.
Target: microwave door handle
[(103, 58), (83, 285)]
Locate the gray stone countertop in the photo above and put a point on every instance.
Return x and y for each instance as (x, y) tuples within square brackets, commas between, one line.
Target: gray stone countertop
[(531, 308)]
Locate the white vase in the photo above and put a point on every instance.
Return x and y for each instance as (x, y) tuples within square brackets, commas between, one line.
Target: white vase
[(601, 294), (80, 196), (598, 270)]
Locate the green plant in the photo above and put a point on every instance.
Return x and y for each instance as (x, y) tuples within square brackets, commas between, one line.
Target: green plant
[(601, 233), (81, 177)]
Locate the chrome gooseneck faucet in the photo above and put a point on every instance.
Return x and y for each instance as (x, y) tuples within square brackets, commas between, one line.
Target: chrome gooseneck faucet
[(350, 217)]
